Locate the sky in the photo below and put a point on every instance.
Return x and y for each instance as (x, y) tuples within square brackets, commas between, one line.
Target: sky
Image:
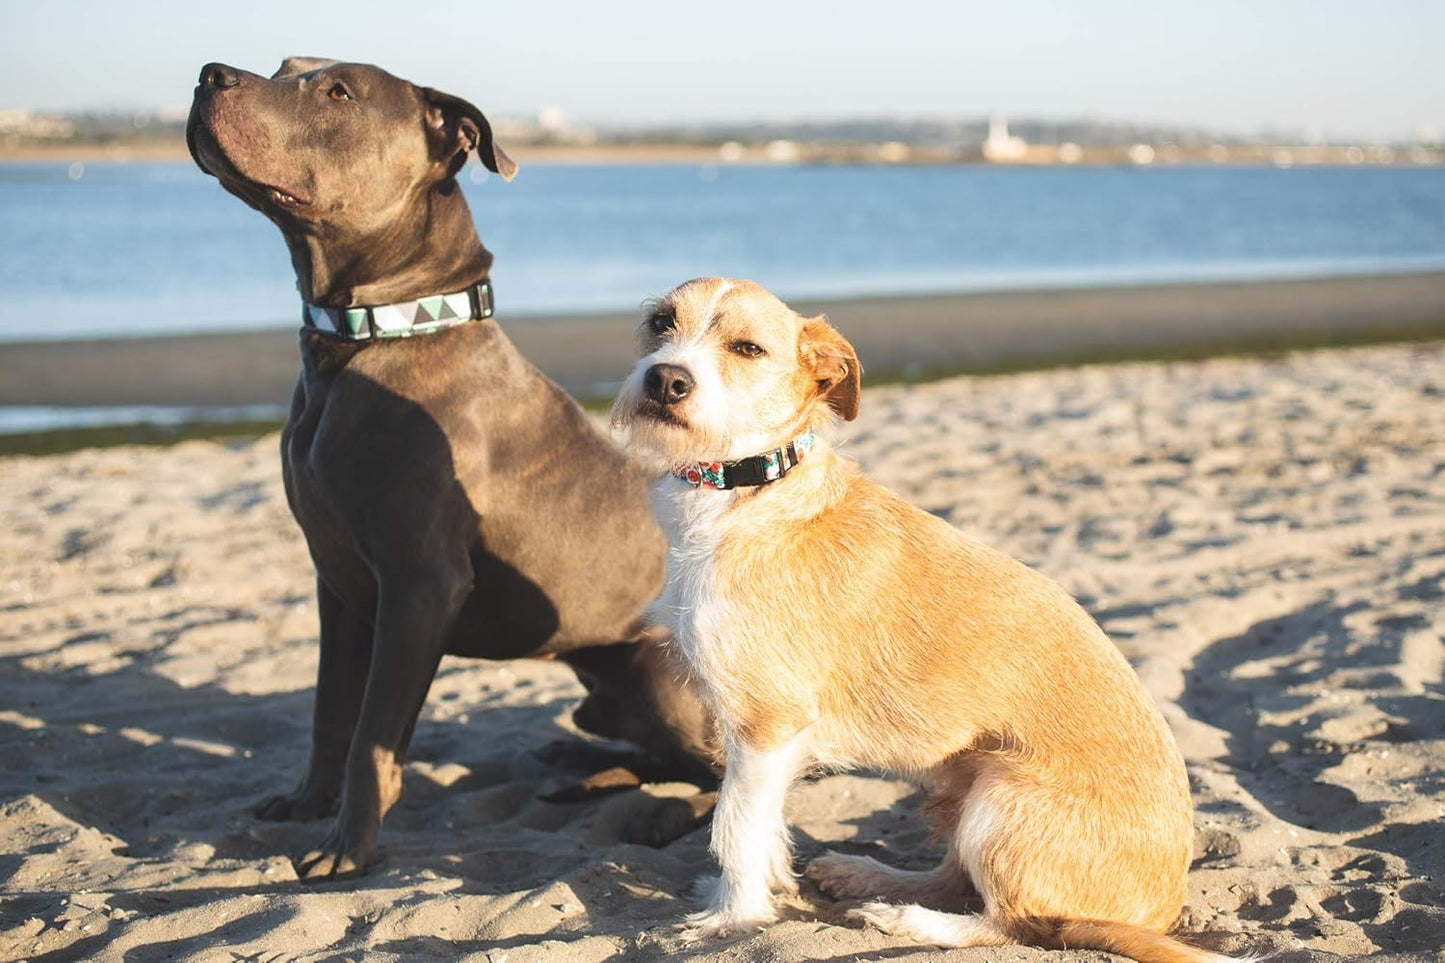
[(1338, 68)]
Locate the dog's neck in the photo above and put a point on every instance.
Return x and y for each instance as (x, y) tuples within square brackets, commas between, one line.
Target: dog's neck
[(434, 249), (755, 471), (686, 508)]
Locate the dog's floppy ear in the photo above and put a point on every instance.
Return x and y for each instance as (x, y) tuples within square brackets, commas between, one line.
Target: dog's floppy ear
[(835, 366), (462, 127), (292, 66)]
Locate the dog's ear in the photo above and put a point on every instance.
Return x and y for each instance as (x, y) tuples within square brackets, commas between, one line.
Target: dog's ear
[(835, 366), (460, 127), (292, 66)]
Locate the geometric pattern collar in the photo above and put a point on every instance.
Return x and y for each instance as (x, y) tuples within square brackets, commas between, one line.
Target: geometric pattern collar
[(403, 319), (747, 472)]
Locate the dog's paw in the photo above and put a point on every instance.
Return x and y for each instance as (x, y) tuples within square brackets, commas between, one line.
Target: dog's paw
[(838, 876), (321, 865), (334, 860), (720, 924), (655, 822), (883, 916)]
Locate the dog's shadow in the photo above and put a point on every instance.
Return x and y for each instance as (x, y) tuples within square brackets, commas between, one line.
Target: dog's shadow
[(506, 801)]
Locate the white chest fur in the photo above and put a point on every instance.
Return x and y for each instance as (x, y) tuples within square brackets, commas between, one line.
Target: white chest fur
[(694, 521)]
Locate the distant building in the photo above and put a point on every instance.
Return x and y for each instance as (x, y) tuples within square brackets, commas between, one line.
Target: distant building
[(1000, 145)]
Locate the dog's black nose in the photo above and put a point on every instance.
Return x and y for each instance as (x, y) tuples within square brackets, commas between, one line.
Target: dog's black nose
[(667, 384), (216, 76)]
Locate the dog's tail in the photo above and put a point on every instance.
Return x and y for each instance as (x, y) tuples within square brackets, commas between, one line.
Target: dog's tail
[(1135, 942)]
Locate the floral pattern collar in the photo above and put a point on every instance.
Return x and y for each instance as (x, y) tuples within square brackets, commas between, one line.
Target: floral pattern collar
[(747, 472)]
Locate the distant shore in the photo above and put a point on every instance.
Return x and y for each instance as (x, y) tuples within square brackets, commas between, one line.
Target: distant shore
[(788, 152), (898, 338)]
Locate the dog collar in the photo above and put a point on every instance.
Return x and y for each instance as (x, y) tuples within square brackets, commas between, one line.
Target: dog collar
[(402, 319), (747, 472)]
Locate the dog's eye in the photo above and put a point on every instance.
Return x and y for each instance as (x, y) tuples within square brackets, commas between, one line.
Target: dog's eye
[(661, 323), (747, 349), (339, 93)]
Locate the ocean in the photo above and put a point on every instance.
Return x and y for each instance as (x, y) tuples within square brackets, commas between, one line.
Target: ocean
[(115, 250)]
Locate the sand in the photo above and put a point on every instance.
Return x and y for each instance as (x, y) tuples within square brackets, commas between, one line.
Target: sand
[(1264, 538), (905, 337)]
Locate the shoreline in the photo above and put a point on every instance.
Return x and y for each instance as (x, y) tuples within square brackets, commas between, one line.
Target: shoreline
[(906, 337)]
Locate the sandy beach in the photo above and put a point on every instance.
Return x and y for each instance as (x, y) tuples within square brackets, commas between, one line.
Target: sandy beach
[(1263, 537)]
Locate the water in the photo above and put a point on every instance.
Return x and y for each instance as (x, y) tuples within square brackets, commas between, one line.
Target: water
[(18, 419), (130, 249)]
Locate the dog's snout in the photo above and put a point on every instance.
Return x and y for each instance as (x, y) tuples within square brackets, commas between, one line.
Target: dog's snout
[(667, 384), (217, 76)]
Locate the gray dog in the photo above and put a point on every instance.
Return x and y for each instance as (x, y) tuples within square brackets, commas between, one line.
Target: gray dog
[(453, 498)]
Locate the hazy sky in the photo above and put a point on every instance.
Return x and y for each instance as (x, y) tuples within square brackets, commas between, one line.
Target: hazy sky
[(1341, 67)]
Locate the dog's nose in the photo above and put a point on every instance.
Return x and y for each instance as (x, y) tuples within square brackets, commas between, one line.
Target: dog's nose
[(667, 384), (216, 76)]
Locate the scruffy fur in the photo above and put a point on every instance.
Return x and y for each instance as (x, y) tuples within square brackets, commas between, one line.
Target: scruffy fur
[(831, 623)]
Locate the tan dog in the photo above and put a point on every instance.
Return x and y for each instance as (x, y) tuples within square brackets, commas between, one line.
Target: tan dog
[(832, 624)]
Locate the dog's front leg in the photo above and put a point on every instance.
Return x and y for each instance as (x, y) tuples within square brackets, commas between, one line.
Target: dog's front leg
[(413, 616), (340, 683), (750, 838)]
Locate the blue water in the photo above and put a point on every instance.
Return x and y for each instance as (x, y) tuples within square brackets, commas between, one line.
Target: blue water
[(124, 249)]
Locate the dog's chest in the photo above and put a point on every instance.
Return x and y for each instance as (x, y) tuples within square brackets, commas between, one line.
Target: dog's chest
[(306, 466), (695, 522), (351, 445)]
